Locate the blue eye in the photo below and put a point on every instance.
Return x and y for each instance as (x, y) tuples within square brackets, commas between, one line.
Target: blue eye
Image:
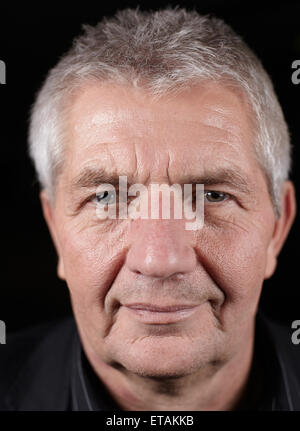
[(106, 197), (215, 196)]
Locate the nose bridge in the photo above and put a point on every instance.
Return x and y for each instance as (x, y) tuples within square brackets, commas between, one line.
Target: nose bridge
[(159, 248)]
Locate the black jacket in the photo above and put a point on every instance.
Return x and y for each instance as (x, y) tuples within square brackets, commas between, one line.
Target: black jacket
[(44, 368)]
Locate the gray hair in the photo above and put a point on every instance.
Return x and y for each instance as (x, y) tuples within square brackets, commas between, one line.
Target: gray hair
[(163, 51)]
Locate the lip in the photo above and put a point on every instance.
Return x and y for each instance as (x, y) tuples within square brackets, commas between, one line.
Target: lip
[(158, 315)]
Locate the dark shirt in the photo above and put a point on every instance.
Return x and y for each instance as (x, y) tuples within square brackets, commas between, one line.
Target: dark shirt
[(45, 368)]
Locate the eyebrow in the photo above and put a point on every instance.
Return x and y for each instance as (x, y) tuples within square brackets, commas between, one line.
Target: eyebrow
[(225, 176), (92, 177)]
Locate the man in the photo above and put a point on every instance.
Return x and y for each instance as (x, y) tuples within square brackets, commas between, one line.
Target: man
[(166, 317)]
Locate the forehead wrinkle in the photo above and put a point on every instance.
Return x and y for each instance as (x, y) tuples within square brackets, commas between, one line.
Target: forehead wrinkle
[(135, 159)]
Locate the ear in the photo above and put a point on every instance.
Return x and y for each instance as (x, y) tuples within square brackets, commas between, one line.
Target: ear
[(282, 226), (48, 209)]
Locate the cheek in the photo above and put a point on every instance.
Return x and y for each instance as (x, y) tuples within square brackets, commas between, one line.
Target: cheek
[(235, 259), (91, 260)]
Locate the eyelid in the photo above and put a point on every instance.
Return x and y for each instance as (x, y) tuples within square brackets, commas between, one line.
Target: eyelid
[(109, 194), (117, 193), (227, 195)]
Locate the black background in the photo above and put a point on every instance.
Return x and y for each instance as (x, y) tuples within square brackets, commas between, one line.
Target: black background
[(31, 41)]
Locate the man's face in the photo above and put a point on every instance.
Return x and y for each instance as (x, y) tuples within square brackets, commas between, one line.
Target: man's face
[(120, 272)]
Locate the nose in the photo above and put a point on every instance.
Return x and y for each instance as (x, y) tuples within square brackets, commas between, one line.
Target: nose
[(160, 249)]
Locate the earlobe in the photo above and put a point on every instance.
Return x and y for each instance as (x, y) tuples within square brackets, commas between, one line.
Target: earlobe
[(60, 268), (271, 264), (48, 215), (282, 226)]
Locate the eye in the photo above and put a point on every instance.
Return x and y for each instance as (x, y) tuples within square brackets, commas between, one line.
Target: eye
[(215, 196), (106, 197)]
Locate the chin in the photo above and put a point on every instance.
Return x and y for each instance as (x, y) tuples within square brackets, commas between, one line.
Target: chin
[(169, 357)]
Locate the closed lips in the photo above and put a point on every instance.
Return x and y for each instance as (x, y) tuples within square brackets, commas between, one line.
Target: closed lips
[(159, 309)]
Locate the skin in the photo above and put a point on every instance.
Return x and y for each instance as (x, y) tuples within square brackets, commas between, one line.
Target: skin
[(201, 362)]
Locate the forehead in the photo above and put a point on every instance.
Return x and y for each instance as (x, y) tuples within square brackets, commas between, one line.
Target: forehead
[(124, 128)]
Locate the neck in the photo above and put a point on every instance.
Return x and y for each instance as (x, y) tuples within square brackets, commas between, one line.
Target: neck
[(214, 387)]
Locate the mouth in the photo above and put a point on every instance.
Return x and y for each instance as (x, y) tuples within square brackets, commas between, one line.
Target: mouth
[(158, 315)]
